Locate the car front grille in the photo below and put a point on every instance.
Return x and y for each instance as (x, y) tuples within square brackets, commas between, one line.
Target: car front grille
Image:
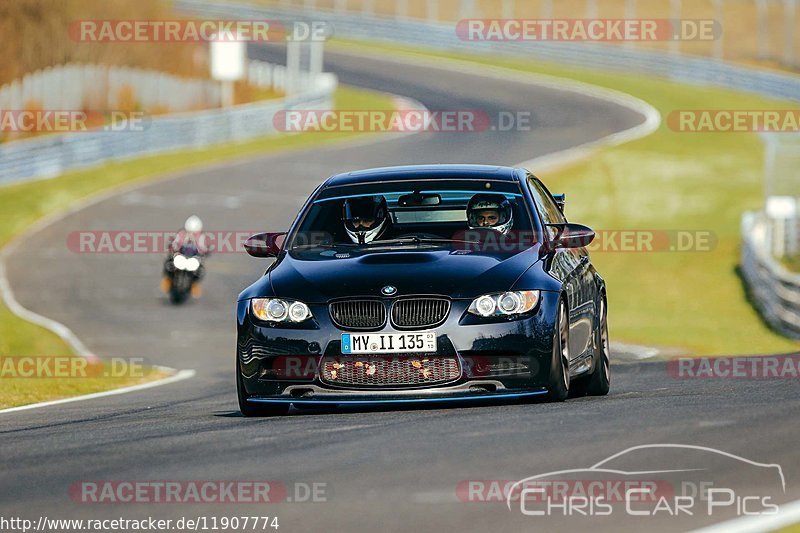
[(420, 312), (358, 314), (372, 371)]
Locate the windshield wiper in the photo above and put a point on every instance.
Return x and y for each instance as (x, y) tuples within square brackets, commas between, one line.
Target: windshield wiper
[(421, 240), (325, 245)]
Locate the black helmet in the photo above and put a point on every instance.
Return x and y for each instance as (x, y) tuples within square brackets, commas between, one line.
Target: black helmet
[(365, 217), (500, 221)]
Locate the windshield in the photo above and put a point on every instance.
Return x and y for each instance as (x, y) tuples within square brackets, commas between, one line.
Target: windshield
[(414, 213)]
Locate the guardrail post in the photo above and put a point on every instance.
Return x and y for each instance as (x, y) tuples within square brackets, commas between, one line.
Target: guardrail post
[(466, 9), (507, 9), (316, 58), (675, 14), (719, 41), (401, 9), (789, 15), (591, 9), (432, 12), (763, 29), (630, 13), (367, 7), (293, 50), (547, 9)]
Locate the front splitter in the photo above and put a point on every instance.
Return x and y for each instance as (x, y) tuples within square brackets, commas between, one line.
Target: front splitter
[(367, 400)]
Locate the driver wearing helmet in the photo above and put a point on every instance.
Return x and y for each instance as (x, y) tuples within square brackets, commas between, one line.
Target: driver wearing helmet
[(365, 218), (491, 211)]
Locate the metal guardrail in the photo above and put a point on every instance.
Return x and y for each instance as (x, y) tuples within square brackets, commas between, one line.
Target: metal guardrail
[(101, 87), (52, 155), (773, 289)]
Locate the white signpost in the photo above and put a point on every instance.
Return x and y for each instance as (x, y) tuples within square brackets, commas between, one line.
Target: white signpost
[(228, 64)]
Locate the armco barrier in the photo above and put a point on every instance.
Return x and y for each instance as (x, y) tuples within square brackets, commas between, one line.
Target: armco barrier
[(52, 155), (774, 290)]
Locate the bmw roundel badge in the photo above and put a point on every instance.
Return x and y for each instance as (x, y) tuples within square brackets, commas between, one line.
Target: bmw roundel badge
[(389, 290)]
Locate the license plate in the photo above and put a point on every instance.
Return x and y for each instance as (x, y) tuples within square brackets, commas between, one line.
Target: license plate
[(375, 343)]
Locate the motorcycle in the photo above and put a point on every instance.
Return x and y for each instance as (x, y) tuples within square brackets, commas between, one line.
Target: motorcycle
[(183, 270)]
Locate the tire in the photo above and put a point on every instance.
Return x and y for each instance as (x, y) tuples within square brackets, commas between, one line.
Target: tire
[(179, 288), (176, 297), (600, 380), (558, 383), (251, 410)]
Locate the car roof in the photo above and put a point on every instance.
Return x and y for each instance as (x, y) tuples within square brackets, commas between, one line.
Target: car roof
[(427, 172)]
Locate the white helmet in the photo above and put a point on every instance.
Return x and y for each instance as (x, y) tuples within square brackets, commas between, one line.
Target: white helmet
[(365, 218), (501, 213), (193, 224)]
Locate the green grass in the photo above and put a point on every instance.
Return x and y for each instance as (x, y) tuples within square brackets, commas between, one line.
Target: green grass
[(694, 301), (25, 203)]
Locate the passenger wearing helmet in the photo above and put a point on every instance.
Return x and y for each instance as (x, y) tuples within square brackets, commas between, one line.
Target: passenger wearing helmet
[(492, 211), (365, 218)]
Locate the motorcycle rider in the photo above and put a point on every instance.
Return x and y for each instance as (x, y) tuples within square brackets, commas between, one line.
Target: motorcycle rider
[(188, 241)]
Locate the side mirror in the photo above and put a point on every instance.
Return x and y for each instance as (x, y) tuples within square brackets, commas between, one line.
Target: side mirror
[(571, 236), (265, 244), (560, 200)]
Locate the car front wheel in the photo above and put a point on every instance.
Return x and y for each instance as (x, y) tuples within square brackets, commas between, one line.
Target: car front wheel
[(600, 381), (558, 384)]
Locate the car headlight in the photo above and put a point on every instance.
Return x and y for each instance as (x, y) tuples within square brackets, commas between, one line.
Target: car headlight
[(279, 310), (504, 304), (179, 261)]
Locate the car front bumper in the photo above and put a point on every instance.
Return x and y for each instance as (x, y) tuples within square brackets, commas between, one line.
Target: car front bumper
[(501, 360)]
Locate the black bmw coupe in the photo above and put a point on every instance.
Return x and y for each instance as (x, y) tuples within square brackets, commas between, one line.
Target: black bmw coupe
[(423, 284)]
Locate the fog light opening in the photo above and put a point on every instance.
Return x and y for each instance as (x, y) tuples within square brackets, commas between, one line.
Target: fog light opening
[(483, 387), (301, 392)]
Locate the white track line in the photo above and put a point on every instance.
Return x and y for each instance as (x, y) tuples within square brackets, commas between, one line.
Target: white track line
[(650, 124), (180, 375), (652, 118), (788, 514)]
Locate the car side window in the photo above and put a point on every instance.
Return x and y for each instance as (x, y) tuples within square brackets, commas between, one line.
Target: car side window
[(547, 207)]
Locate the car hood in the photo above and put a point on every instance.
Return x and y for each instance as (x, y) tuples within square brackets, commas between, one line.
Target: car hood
[(319, 277)]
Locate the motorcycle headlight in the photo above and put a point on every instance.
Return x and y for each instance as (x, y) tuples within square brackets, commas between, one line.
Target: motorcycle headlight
[(504, 304), (179, 261), (192, 264), (279, 310)]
